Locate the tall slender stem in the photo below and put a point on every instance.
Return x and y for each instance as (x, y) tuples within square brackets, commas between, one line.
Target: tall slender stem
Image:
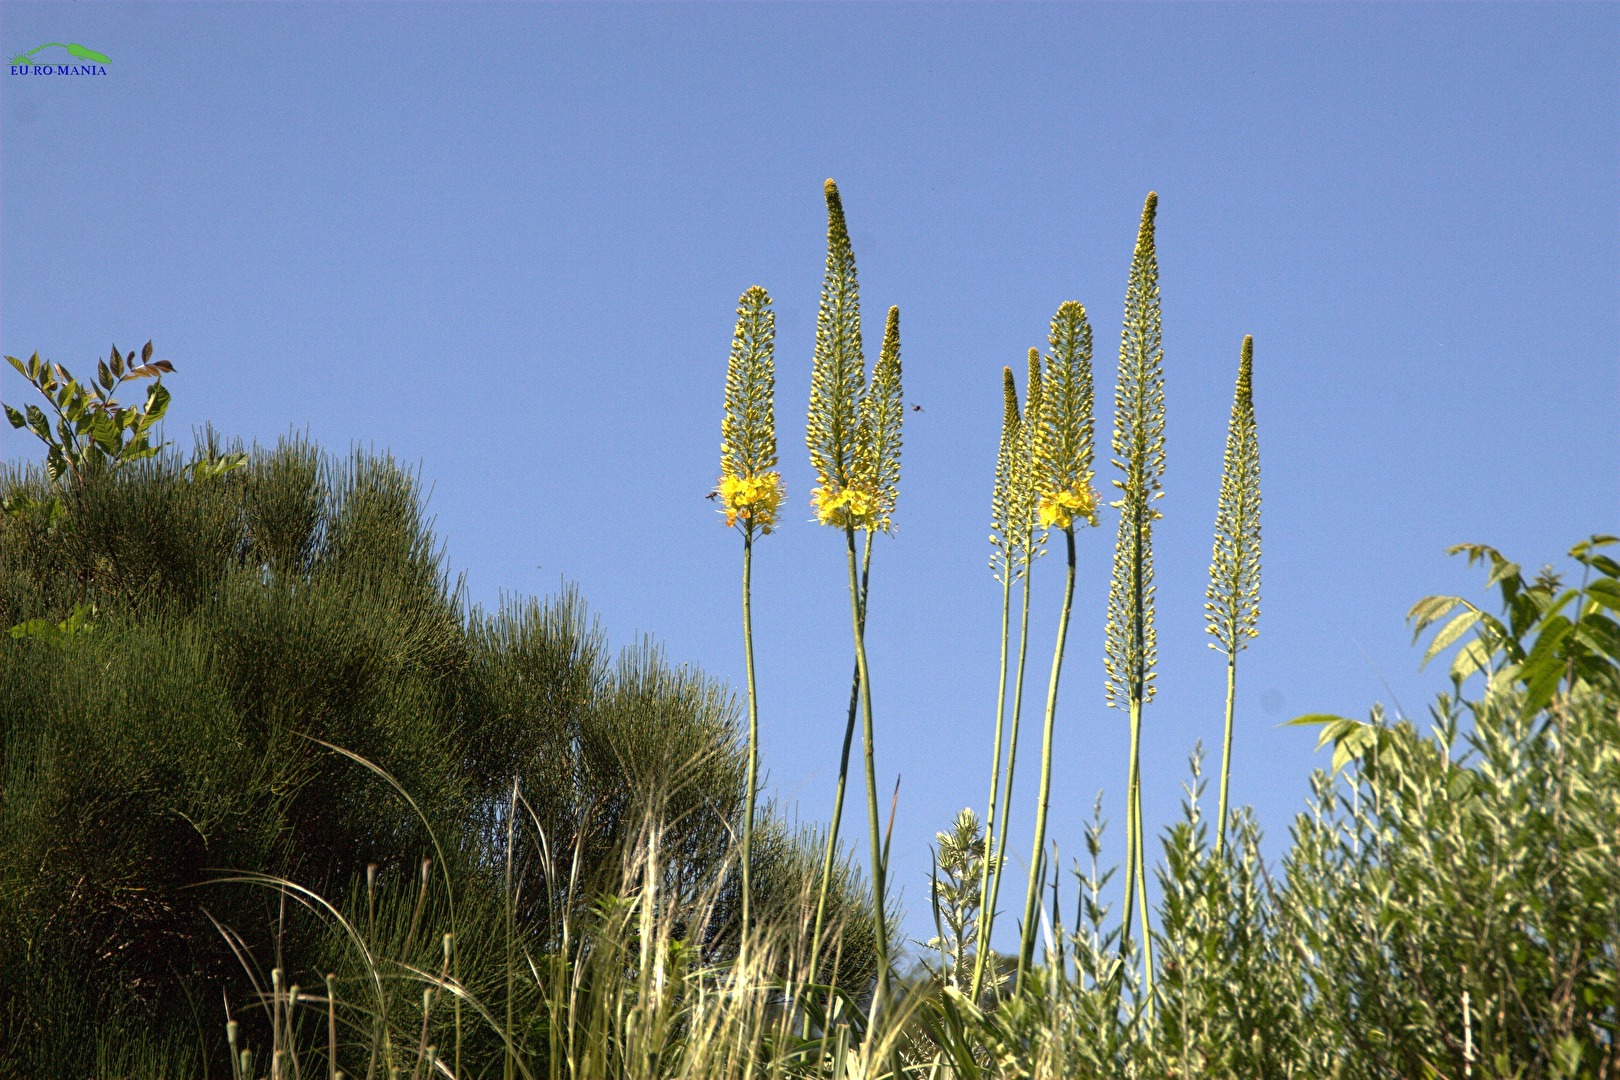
[(753, 749), (1132, 805), (843, 779), (1226, 752), (880, 925), (1141, 884), (1032, 899), (986, 915), (1012, 754)]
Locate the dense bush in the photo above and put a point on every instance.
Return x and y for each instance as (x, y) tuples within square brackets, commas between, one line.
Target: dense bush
[(1449, 905), (190, 646)]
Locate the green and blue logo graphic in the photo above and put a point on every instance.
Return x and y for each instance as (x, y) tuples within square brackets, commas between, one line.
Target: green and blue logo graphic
[(90, 61)]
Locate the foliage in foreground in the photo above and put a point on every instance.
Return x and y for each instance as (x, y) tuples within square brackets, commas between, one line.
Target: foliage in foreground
[(188, 647), (1449, 906)]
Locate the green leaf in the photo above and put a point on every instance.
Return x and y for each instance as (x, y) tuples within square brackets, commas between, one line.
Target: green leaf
[(1603, 565), (1314, 719), (38, 423), (105, 431), (40, 629), (1473, 657), (1453, 630), (1605, 591), (1601, 633), (17, 419), (157, 403), (1546, 663), (1429, 610)]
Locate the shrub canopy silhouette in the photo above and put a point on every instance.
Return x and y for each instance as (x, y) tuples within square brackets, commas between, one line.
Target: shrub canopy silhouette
[(187, 641)]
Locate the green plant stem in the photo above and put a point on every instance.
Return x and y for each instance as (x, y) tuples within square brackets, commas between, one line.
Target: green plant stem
[(1141, 883), (843, 781), (1226, 753), (1012, 753), (982, 934), (753, 749), (880, 927), (1130, 828), (1032, 899), (1135, 861)]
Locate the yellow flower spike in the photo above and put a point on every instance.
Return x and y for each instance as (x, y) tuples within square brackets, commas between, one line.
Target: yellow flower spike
[(1063, 434), (1131, 641), (838, 372), (1059, 509), (750, 492), (853, 435), (753, 500), (1060, 474), (852, 507), (750, 489)]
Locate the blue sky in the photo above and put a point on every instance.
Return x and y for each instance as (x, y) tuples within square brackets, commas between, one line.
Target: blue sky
[(506, 243)]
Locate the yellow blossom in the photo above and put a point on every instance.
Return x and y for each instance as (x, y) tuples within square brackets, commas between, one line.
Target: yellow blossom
[(851, 506), (1058, 509), (753, 500)]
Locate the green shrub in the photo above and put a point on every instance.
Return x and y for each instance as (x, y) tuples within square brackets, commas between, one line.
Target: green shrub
[(223, 627)]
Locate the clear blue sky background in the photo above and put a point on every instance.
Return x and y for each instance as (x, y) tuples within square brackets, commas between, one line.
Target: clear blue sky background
[(506, 242)]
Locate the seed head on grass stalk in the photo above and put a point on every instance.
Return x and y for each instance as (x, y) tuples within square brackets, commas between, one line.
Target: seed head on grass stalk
[(853, 435), (1062, 474), (750, 493), (1233, 608), (1138, 445)]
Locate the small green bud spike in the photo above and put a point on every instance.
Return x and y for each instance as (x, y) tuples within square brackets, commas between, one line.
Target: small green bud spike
[(1005, 528), (882, 411), (748, 430), (1028, 486), (838, 371), (1138, 447), (1232, 610)]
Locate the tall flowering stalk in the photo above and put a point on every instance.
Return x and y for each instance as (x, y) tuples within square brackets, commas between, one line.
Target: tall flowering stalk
[(1005, 533), (750, 493), (1015, 545), (1063, 473), (1233, 597), (854, 438), (1132, 647)]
